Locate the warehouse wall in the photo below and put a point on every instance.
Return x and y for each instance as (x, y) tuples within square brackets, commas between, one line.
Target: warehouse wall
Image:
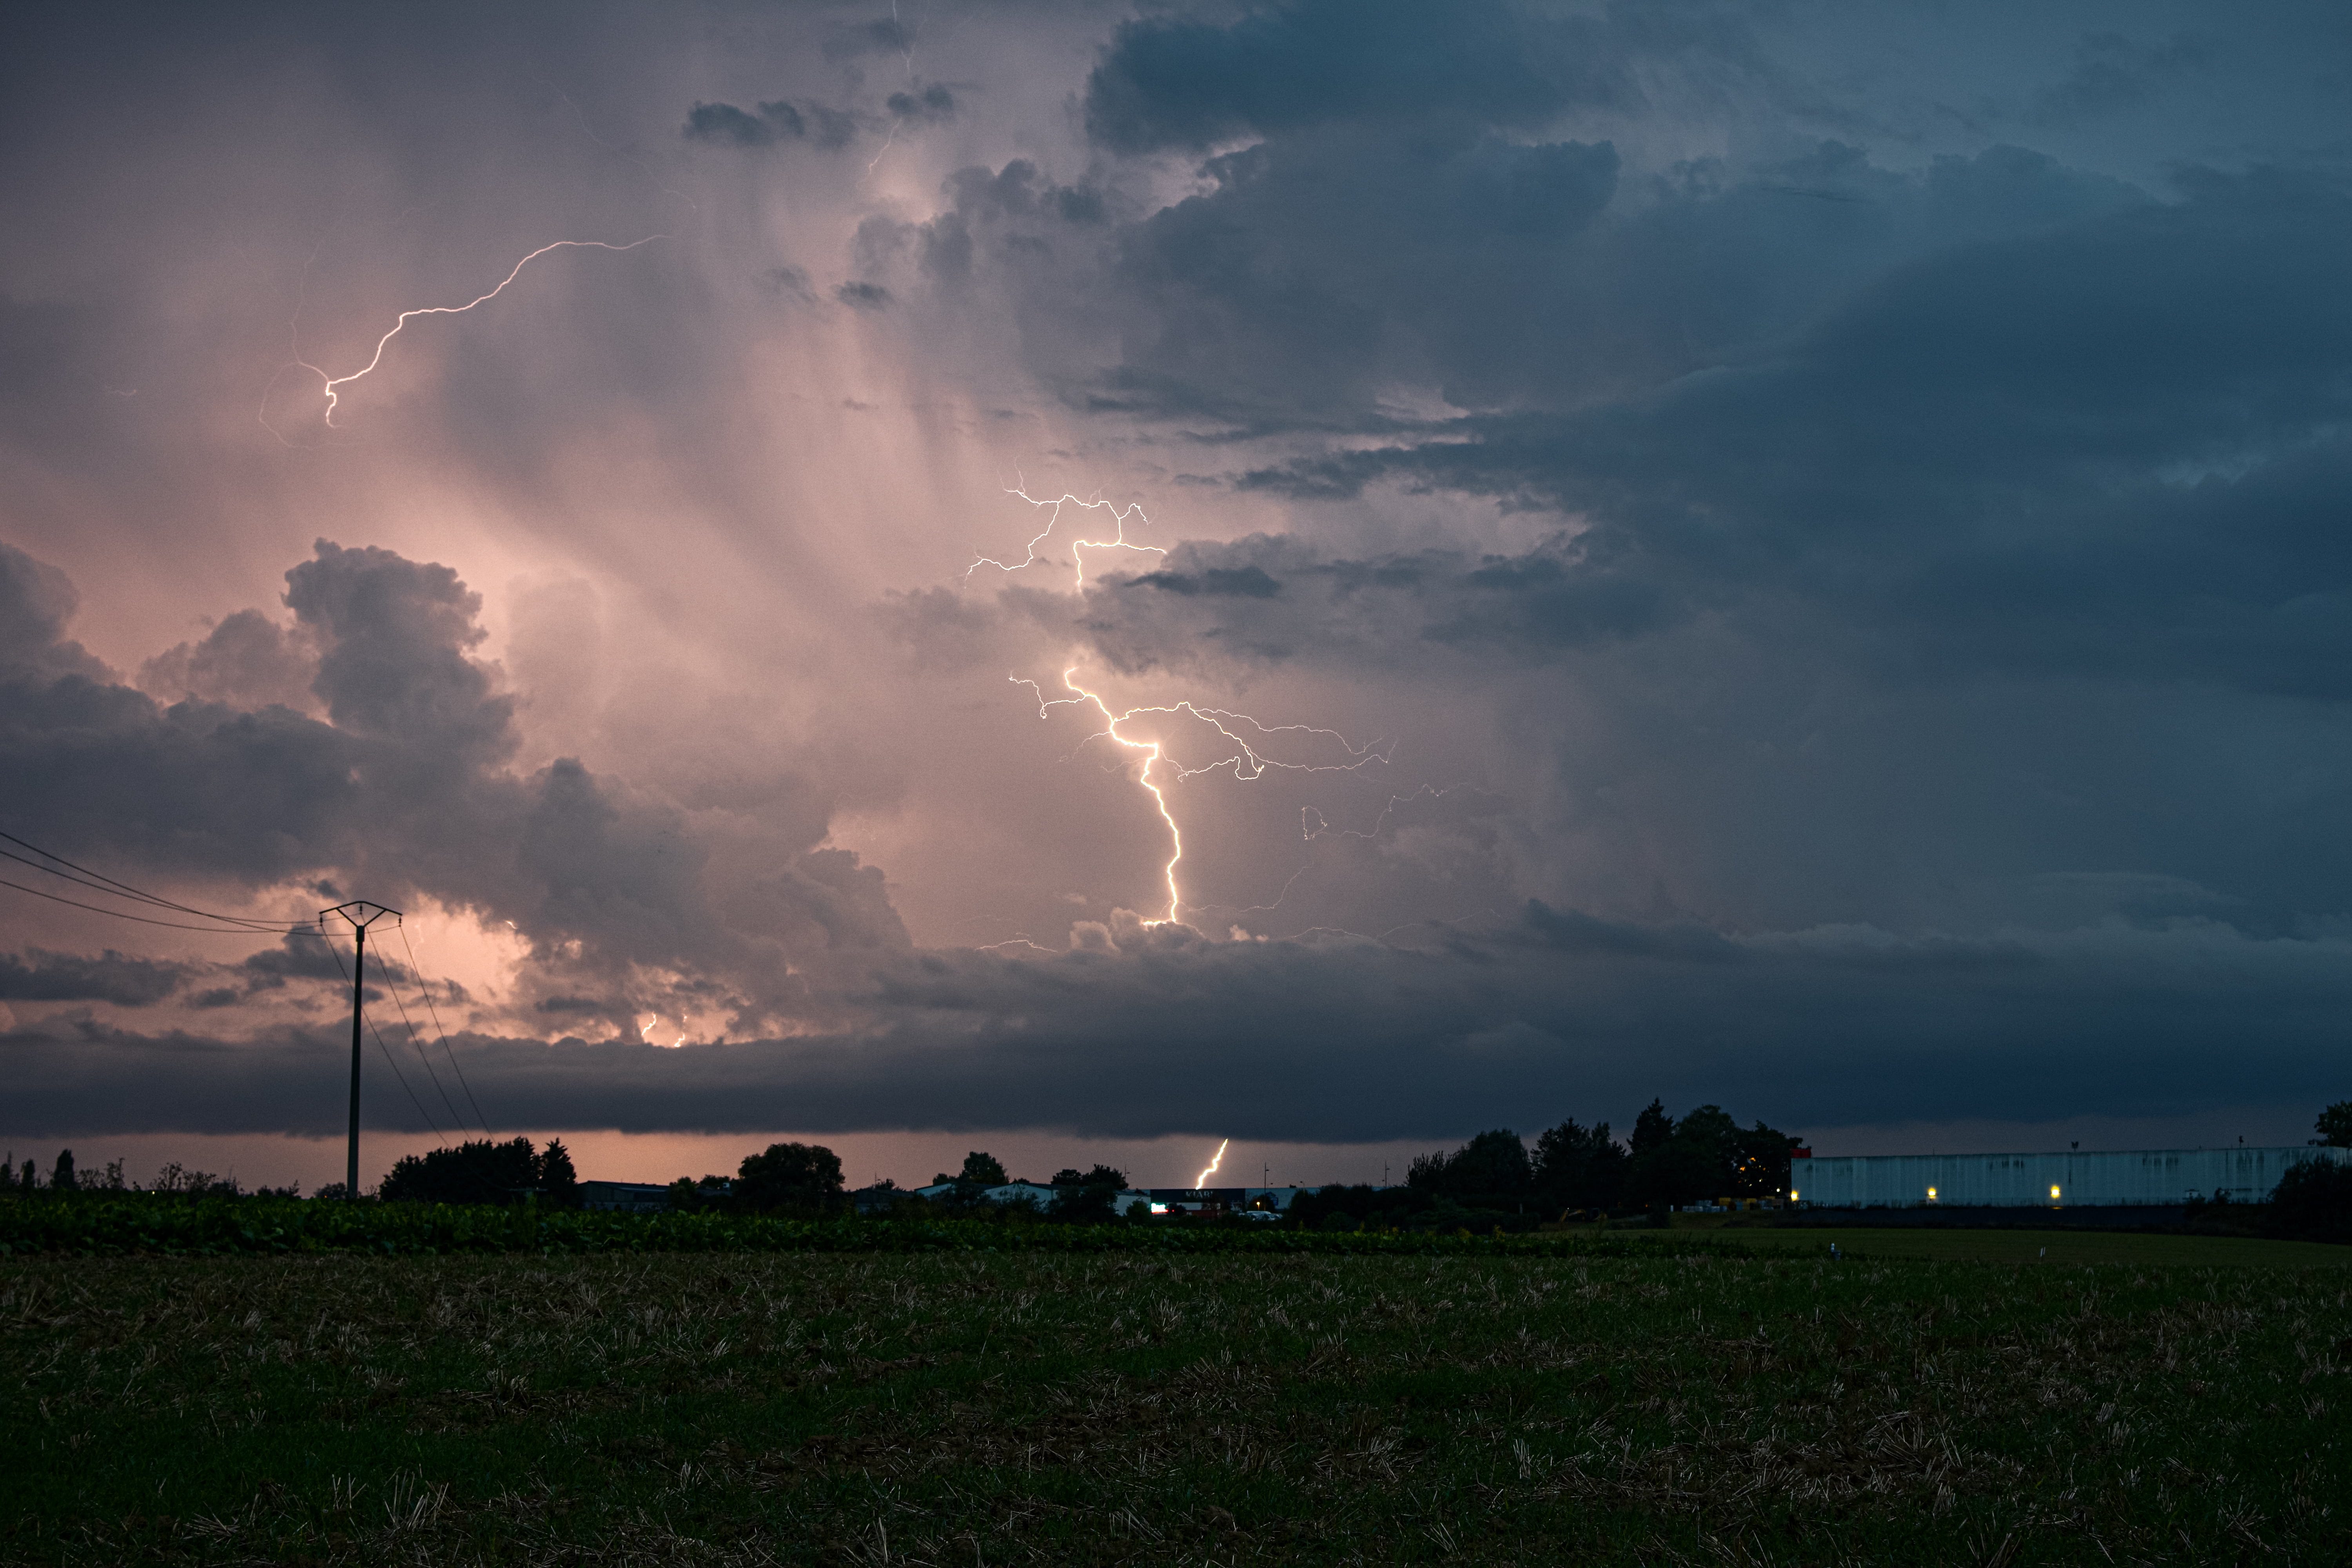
[(2138, 1177)]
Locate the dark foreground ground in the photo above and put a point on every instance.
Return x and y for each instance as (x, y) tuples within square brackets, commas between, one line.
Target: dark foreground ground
[(996, 1408)]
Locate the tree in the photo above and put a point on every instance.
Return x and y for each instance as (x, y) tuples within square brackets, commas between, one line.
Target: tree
[(1090, 1197), (689, 1195), (789, 1175), (1491, 1170), (1710, 1139), (1651, 1129), (61, 1180), (1576, 1167), (980, 1171), (559, 1184), (1763, 1163), (2335, 1125), (481, 1171)]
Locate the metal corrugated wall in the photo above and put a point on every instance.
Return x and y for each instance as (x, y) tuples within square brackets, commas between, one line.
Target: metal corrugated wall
[(2136, 1176)]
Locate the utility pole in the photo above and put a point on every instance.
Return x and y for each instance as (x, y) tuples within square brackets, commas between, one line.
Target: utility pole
[(361, 914)]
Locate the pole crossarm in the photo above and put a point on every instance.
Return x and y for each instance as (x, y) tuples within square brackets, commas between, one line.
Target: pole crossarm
[(361, 914)]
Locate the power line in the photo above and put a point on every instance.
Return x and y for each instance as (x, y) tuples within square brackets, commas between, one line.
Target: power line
[(417, 1043), (118, 889), (426, 991), (146, 921)]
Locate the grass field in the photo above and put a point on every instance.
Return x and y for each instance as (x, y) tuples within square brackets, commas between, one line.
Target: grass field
[(990, 1408), (2034, 1246)]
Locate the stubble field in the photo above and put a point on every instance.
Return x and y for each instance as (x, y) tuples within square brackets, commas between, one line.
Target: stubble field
[(997, 1408)]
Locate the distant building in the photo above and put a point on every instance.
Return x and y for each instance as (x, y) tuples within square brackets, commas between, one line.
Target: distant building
[(1019, 1192), (1224, 1200), (878, 1198), (629, 1197), (2070, 1180)]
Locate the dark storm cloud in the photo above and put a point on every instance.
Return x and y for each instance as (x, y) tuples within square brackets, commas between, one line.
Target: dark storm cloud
[(1278, 601), (1547, 1014), (2158, 390), (404, 788), (930, 105), (38, 976), (1177, 82), (824, 128)]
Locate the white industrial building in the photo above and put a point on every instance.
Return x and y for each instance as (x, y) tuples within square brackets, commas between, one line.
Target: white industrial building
[(1034, 1192), (2070, 1180)]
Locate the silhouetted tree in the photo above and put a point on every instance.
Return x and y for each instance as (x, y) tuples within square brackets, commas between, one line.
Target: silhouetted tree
[(1577, 1167), (2335, 1125), (61, 1180), (1088, 1198), (1651, 1129), (789, 1175), (475, 1173), (1763, 1163), (689, 1195), (1488, 1172), (559, 1184), (979, 1171)]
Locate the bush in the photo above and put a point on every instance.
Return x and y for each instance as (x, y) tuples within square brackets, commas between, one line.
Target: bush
[(2313, 1202)]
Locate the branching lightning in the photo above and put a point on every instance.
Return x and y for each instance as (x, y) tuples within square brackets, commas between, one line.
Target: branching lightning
[(1202, 1180), (1247, 764), (1118, 540), (330, 384)]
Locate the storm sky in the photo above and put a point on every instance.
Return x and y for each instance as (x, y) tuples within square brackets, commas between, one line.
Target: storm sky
[(1794, 556)]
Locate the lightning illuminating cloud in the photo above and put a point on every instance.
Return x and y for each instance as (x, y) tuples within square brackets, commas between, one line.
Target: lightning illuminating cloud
[(1118, 540), (1247, 764), (331, 382)]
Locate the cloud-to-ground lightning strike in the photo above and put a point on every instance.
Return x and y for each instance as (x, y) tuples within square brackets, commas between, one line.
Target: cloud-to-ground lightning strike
[(1202, 1180), (1118, 540), (331, 382), (1246, 765)]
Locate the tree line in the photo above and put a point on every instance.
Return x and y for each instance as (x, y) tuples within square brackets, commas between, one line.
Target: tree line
[(1496, 1179)]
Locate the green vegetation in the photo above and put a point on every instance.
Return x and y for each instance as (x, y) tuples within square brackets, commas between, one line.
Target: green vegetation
[(1655, 1405), (141, 1221)]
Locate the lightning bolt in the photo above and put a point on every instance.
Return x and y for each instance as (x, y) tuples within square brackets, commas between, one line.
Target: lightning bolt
[(1246, 763), (1118, 540), (1219, 1158), (331, 382)]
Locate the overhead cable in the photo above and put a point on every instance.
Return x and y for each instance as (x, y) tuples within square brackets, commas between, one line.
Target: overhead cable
[(425, 989)]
